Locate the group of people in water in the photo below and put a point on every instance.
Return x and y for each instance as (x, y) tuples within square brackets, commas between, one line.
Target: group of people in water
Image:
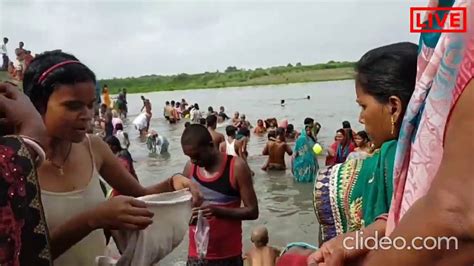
[(413, 169)]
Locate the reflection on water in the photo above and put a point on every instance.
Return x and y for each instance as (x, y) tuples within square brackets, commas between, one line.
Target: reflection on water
[(285, 206)]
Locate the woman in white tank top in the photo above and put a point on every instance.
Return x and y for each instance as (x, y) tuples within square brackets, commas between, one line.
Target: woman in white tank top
[(63, 91)]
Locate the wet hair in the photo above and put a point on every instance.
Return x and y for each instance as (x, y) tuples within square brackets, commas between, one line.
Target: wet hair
[(211, 120), (308, 121), (21, 43), (210, 109), (271, 134), (5, 39), (282, 101), (118, 126), (113, 141), (230, 131), (142, 97), (196, 135), (290, 128), (167, 102), (308, 97), (280, 131), (244, 132), (173, 103), (346, 124), (178, 104), (187, 124), (388, 71), (68, 74), (196, 106), (202, 121), (363, 135)]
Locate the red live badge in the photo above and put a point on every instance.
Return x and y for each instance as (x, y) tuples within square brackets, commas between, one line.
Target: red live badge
[(438, 19)]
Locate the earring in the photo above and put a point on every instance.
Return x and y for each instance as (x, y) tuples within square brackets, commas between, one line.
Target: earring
[(393, 124)]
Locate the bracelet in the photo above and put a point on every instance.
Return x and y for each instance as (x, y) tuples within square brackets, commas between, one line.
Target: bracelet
[(34, 144)]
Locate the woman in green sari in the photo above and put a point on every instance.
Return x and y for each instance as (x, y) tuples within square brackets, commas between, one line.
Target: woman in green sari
[(356, 195)]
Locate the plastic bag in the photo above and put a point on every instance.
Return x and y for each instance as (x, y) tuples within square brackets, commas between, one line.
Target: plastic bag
[(201, 235)]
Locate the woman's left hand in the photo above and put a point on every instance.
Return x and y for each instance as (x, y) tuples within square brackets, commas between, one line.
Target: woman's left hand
[(331, 253), (182, 182), (198, 198)]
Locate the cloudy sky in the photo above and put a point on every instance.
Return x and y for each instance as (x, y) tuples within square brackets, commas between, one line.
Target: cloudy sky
[(119, 38)]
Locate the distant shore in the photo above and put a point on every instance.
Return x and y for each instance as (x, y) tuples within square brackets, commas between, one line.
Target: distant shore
[(234, 77)]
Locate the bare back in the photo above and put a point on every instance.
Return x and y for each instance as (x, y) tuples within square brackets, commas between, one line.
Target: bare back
[(217, 137), (263, 256), (276, 152)]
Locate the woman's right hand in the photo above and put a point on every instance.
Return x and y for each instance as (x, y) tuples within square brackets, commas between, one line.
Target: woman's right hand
[(121, 213)]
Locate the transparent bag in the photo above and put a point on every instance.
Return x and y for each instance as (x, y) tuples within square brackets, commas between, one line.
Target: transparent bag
[(201, 235)]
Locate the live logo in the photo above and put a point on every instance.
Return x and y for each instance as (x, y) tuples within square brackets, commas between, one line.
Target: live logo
[(438, 19)]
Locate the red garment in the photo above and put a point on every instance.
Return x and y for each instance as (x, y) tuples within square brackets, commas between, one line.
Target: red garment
[(225, 235), (128, 164), (23, 230), (292, 259)]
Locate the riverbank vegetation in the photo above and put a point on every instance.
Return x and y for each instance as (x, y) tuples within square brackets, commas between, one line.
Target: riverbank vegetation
[(234, 77)]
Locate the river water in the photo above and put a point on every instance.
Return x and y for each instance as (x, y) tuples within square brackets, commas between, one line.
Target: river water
[(285, 206)]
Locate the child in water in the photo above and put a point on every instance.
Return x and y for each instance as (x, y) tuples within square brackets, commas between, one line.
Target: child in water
[(261, 254)]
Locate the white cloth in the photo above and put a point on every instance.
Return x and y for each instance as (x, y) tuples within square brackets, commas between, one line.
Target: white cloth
[(196, 115), (124, 142), (172, 212), (62, 206), (140, 121), (230, 148), (116, 120), (4, 49)]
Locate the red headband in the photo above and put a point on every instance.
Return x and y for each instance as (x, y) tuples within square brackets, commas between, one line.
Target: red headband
[(58, 65)]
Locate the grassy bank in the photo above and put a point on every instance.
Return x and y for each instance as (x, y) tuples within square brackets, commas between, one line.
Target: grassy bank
[(233, 77)]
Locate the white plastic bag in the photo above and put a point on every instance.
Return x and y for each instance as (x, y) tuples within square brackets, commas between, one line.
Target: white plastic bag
[(201, 235), (171, 211)]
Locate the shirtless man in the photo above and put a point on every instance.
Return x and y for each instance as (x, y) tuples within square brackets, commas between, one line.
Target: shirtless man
[(166, 111), (236, 119), (222, 116), (276, 151), (260, 128), (173, 113), (217, 137), (261, 254), (147, 107), (231, 146)]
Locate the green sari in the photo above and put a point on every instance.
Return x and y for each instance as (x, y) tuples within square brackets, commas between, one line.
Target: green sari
[(354, 194)]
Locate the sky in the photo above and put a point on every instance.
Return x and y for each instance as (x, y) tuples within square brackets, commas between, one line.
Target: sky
[(118, 38)]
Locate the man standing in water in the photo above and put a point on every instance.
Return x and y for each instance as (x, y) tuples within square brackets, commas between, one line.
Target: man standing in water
[(222, 116), (147, 107), (231, 146), (276, 151), (4, 51), (225, 183), (217, 137)]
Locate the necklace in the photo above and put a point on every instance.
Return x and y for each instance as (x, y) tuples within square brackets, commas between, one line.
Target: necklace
[(60, 167)]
